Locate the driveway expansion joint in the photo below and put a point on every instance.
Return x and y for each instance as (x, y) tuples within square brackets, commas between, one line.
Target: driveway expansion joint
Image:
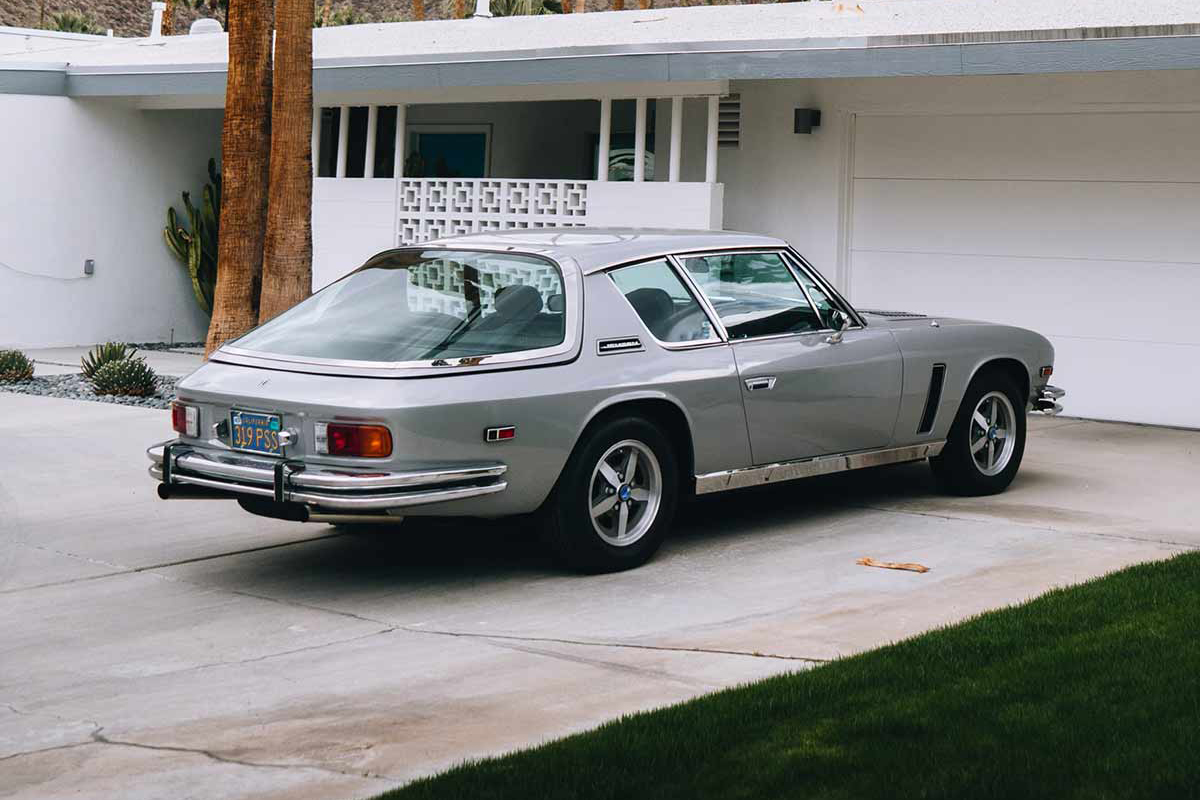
[(97, 737), (949, 515), (624, 645)]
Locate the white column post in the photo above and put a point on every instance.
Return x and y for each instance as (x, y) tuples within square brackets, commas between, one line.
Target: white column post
[(343, 144), (710, 163), (676, 138), (605, 139), (316, 142), (372, 122), (639, 143), (401, 140)]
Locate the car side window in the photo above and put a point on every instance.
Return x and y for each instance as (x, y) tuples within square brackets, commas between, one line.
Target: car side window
[(754, 294), (665, 305)]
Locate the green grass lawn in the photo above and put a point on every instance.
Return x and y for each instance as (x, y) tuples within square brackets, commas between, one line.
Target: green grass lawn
[(1087, 692)]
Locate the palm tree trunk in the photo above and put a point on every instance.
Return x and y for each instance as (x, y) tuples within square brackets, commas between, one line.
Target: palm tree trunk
[(168, 20), (418, 9), (618, 5), (460, 9), (644, 4), (287, 249), (245, 143)]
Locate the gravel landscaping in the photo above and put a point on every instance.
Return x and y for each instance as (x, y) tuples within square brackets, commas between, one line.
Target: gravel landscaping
[(76, 387), (165, 345)]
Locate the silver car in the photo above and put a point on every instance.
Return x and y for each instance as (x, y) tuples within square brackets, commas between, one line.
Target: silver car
[(596, 378)]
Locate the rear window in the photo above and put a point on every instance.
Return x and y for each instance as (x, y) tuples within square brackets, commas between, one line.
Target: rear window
[(424, 306)]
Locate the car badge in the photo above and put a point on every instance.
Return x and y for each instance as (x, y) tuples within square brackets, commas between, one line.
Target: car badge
[(623, 344)]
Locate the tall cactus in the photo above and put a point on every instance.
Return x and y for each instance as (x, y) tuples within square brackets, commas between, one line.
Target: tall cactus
[(196, 248)]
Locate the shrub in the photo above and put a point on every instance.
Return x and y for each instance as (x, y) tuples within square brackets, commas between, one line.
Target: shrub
[(15, 366), (103, 354), (128, 376), (73, 22)]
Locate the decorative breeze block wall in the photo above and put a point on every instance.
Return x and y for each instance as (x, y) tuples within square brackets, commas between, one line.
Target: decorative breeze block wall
[(430, 208)]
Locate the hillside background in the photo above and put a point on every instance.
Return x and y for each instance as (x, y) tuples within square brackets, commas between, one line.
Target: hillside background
[(132, 17)]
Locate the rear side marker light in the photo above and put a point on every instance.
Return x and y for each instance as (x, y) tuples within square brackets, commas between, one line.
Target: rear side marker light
[(1046, 372), (185, 419), (342, 439), (500, 434)]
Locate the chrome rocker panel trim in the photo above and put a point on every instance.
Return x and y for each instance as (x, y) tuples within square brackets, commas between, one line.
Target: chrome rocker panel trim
[(342, 490), (811, 467)]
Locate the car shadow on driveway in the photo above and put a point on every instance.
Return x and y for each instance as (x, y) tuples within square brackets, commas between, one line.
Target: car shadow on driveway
[(423, 553)]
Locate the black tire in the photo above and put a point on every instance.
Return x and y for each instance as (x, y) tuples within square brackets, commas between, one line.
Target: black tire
[(957, 469), (566, 519)]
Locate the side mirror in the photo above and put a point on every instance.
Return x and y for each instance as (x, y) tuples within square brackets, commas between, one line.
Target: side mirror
[(840, 322)]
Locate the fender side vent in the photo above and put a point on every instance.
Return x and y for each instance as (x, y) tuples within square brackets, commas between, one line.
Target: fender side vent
[(936, 379)]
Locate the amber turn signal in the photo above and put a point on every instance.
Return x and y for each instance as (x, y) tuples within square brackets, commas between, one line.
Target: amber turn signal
[(364, 441)]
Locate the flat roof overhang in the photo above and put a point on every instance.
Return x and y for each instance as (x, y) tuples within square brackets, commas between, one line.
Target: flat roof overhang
[(1163, 47)]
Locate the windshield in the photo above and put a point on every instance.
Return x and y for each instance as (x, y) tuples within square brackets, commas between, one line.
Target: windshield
[(424, 305)]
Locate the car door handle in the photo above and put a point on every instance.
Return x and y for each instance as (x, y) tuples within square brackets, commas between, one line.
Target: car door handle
[(765, 382)]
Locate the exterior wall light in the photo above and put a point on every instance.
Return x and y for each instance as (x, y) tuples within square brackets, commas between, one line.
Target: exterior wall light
[(806, 119)]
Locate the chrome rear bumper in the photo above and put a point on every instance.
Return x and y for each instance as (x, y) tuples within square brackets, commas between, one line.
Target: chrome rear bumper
[(1047, 400), (240, 474)]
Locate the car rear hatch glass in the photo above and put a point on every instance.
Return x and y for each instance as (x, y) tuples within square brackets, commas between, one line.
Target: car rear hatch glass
[(424, 308)]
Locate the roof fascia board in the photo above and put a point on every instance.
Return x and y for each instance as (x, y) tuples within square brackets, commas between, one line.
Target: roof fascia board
[(764, 60), (41, 78)]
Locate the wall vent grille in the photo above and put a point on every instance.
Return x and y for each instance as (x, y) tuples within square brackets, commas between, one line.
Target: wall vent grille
[(729, 124)]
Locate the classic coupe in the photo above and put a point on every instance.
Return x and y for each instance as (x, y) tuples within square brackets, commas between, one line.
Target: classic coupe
[(592, 378)]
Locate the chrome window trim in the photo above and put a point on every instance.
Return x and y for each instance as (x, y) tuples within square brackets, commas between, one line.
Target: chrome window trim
[(572, 280), (714, 318), (687, 287), (779, 251)]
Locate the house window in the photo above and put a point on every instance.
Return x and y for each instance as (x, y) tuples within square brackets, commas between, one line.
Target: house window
[(356, 142), (448, 151)]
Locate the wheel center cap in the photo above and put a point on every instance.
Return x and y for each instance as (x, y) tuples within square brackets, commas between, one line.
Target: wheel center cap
[(624, 492), (991, 434)]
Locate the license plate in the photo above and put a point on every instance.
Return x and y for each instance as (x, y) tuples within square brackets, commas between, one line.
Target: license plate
[(250, 430)]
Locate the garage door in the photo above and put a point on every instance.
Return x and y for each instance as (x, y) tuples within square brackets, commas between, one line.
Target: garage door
[(1084, 227)]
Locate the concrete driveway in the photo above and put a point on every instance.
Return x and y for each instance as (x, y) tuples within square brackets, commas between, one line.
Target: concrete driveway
[(155, 649)]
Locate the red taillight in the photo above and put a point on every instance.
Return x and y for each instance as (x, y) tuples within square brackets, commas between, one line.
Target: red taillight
[(365, 441), (185, 419), (1046, 372)]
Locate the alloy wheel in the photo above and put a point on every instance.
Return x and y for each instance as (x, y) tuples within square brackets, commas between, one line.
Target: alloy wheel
[(993, 433), (626, 492)]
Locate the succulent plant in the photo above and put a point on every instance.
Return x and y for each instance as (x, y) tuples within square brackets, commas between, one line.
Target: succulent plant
[(15, 366), (129, 376), (102, 354), (197, 248)]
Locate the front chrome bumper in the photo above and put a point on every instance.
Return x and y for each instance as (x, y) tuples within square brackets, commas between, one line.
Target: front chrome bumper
[(240, 474), (1047, 400)]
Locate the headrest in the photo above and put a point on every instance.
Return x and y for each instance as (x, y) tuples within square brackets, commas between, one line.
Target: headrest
[(652, 304), (518, 302)]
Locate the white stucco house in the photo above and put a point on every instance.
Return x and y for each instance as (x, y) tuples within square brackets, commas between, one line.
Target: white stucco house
[(1010, 160)]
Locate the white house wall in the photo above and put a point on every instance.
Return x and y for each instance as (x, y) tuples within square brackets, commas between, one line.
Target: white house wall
[(1067, 204), (85, 180)]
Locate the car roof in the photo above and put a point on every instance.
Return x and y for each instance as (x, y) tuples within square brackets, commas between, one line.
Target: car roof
[(594, 249)]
